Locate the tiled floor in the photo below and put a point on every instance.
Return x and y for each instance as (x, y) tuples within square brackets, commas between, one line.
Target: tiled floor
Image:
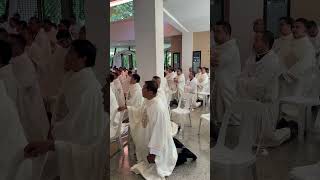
[(198, 170), (275, 166), (280, 160)]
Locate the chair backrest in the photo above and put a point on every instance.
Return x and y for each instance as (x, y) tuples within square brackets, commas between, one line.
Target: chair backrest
[(185, 101), (250, 112)]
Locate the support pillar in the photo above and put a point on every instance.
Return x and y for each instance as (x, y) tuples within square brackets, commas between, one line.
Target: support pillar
[(187, 51), (149, 37), (98, 32)]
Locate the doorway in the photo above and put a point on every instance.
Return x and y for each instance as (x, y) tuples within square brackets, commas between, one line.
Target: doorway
[(273, 11)]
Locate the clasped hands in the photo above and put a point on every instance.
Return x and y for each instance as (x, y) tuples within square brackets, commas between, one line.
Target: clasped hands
[(36, 149)]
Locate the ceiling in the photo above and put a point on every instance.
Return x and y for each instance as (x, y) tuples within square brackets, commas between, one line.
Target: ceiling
[(194, 15)]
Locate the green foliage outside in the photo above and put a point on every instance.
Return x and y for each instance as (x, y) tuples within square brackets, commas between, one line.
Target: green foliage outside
[(3, 4), (52, 10), (121, 12)]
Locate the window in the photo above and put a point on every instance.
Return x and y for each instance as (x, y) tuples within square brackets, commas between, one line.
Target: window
[(121, 12), (78, 10), (273, 10), (3, 7), (52, 10)]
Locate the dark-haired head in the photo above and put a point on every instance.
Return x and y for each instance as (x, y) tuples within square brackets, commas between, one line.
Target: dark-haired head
[(263, 41), (192, 74), (222, 32), (64, 25), (313, 29), (18, 44), (300, 28), (3, 34), (111, 77), (157, 79), (82, 54), (135, 78), (64, 38), (34, 24), (259, 25), (286, 24), (5, 53), (149, 90)]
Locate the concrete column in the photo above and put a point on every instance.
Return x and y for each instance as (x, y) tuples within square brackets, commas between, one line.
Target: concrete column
[(187, 50), (149, 37), (242, 15), (13, 7), (98, 32), (66, 8)]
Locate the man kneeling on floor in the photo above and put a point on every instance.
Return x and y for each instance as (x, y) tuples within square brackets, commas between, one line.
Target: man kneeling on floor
[(155, 149)]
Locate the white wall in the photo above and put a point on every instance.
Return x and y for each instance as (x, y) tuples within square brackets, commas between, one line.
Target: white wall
[(242, 15), (307, 9), (124, 31)]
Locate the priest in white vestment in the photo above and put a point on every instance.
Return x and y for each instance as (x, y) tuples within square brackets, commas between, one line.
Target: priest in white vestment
[(41, 40), (199, 73), (79, 130), (301, 61), (115, 116), (180, 83), (228, 67), (170, 79), (296, 79), (161, 93), (134, 97), (6, 71), (30, 105), (117, 89), (203, 82), (55, 65), (314, 35), (259, 81), (12, 139), (191, 87), (157, 154), (74, 28), (283, 45)]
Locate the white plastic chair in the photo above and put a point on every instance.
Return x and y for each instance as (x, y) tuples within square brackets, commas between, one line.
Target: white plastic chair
[(303, 103), (183, 110), (203, 117), (234, 163), (311, 172)]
